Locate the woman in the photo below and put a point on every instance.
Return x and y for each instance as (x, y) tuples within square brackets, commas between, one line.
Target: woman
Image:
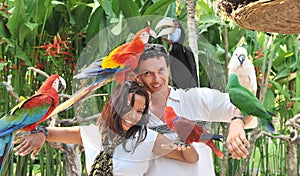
[(127, 144)]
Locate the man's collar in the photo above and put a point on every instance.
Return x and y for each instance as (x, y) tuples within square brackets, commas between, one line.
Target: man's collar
[(174, 94)]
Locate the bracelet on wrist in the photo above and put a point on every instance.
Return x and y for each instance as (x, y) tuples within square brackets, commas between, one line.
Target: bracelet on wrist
[(238, 117), (41, 129)]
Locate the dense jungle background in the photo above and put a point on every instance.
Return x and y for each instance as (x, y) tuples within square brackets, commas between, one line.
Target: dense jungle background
[(54, 36)]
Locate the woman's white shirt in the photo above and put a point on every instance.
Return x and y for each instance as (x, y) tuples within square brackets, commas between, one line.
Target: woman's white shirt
[(134, 163)]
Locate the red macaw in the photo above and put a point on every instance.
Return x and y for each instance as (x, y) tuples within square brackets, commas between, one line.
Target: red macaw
[(190, 132), (28, 113), (117, 65), (122, 60)]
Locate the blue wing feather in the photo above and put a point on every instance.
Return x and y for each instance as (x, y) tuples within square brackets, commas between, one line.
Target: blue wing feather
[(16, 119)]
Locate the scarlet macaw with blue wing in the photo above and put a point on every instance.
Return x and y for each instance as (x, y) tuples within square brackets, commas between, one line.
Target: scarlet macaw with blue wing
[(118, 65), (28, 113)]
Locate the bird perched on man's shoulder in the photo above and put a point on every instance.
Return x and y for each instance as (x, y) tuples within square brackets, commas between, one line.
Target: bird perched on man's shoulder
[(117, 65), (182, 62)]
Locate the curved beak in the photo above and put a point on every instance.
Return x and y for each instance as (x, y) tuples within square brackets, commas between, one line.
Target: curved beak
[(242, 58), (62, 84), (169, 22)]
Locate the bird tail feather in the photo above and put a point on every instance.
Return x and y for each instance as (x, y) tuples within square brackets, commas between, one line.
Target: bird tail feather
[(215, 149), (209, 136), (81, 94), (270, 113), (92, 70), (270, 126), (5, 145)]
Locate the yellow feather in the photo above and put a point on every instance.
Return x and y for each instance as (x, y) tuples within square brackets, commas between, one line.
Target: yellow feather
[(108, 62)]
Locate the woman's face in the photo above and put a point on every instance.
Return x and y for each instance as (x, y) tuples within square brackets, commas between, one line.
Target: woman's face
[(135, 114), (154, 73)]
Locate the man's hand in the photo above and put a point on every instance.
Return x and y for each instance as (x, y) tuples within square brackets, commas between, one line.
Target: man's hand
[(180, 146), (236, 142), (30, 143)]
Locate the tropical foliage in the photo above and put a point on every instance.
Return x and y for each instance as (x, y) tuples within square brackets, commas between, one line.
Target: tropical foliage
[(61, 36)]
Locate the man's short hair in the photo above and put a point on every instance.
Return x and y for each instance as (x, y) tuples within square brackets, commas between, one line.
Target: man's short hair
[(154, 50)]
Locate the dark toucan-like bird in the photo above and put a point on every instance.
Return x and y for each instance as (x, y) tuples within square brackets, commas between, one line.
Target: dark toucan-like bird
[(182, 62)]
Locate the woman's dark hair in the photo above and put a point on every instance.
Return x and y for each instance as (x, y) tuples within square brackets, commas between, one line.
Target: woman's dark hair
[(117, 106), (153, 50)]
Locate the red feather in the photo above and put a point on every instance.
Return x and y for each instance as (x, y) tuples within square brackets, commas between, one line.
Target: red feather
[(46, 94), (190, 131), (127, 55)]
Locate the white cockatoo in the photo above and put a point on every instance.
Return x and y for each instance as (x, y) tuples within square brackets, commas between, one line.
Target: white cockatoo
[(242, 66)]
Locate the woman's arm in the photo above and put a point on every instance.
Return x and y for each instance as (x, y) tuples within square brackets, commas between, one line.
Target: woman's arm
[(34, 142), (188, 155), (68, 135)]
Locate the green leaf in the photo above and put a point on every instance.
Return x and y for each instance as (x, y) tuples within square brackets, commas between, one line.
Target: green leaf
[(269, 100), (145, 6), (39, 11), (4, 32), (96, 36), (172, 11), (17, 19), (295, 99), (107, 6), (159, 8), (96, 24), (204, 7), (19, 53), (234, 36), (28, 30), (280, 89), (2, 65), (81, 14), (129, 8), (282, 73), (60, 6), (116, 7)]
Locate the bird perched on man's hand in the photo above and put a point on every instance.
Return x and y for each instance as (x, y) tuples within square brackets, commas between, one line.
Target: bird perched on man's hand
[(247, 103), (189, 131), (118, 65), (29, 113), (240, 65), (182, 62)]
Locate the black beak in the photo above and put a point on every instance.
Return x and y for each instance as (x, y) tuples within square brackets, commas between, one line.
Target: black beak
[(242, 58)]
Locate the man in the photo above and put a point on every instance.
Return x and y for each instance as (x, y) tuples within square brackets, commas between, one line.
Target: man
[(197, 104)]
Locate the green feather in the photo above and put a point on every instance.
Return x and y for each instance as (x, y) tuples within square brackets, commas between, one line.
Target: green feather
[(247, 103)]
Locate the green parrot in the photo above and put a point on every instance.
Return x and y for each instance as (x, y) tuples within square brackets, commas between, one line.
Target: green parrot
[(247, 103)]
